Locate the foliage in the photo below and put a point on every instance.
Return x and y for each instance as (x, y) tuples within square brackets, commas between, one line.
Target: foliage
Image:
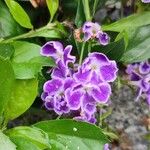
[(21, 66)]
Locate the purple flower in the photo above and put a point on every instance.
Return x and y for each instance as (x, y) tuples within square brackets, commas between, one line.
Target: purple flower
[(97, 68), (55, 50), (106, 147), (139, 74), (55, 89), (103, 38), (93, 30), (145, 1), (80, 88), (90, 30)]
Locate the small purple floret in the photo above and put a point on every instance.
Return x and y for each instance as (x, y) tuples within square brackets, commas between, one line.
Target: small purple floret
[(93, 30), (139, 75)]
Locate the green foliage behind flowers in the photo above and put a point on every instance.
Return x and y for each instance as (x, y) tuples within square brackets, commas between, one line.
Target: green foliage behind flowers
[(21, 65)]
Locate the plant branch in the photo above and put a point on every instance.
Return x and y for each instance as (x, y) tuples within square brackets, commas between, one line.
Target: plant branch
[(82, 52), (30, 34)]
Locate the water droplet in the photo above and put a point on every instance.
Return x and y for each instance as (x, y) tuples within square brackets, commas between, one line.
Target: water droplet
[(75, 129), (78, 147)]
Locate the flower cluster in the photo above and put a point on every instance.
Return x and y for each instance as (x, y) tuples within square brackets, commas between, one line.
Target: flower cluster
[(93, 30), (139, 74), (78, 88)]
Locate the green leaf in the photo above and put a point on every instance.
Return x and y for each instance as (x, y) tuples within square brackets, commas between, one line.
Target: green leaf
[(80, 16), (23, 144), (6, 50), (52, 6), (8, 26), (22, 97), (6, 84), (32, 134), (132, 21), (27, 61), (70, 134), (114, 50), (6, 143), (49, 33), (138, 48), (19, 14)]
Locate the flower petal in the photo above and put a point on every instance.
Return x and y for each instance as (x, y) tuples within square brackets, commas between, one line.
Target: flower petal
[(144, 68), (108, 72), (88, 104), (101, 93), (51, 49), (73, 99), (61, 71), (68, 58), (52, 86), (82, 76), (103, 38)]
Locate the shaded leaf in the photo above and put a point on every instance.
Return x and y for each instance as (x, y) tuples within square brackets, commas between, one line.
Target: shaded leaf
[(113, 50), (8, 26), (80, 16), (138, 48), (23, 144), (6, 143), (34, 135), (6, 50), (73, 135), (22, 97), (132, 21), (6, 83)]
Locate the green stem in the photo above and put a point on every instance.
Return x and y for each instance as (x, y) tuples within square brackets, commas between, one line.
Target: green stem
[(94, 6), (87, 10), (29, 34), (89, 47), (82, 52)]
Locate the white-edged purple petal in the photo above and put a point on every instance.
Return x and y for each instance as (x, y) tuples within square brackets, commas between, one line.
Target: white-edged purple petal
[(68, 58), (100, 57), (106, 147), (73, 99), (52, 49), (90, 30), (103, 38), (44, 95), (135, 76), (68, 83), (61, 71), (144, 67), (82, 76), (88, 104), (87, 27), (101, 93), (145, 1), (60, 105), (52, 86), (109, 72), (144, 85), (49, 105)]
